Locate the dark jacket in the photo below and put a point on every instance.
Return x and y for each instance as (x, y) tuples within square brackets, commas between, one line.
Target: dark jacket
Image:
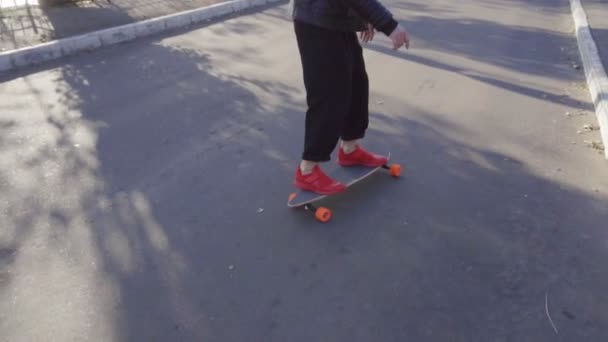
[(344, 15)]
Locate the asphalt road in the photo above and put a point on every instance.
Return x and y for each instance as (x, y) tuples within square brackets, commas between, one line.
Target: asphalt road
[(143, 190)]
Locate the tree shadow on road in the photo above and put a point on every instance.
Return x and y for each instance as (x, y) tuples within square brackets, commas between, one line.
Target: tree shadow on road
[(488, 79), (122, 177), (520, 50), (464, 247), (523, 49)]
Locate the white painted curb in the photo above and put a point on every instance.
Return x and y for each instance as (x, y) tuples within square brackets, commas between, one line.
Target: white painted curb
[(14, 59), (597, 81)]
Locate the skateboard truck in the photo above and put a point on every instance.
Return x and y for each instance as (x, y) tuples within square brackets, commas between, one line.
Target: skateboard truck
[(394, 169), (321, 213)]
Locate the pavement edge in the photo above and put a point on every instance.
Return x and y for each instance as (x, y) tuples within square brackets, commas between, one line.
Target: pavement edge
[(597, 81), (40, 53)]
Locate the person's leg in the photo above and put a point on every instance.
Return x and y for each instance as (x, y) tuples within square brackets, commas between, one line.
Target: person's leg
[(357, 119), (327, 80)]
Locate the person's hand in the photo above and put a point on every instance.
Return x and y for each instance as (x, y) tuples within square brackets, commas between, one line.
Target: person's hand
[(368, 34), (400, 37)]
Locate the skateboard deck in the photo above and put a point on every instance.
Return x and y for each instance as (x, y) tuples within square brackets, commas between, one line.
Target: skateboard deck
[(346, 175)]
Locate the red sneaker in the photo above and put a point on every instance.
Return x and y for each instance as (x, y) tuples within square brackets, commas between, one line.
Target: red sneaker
[(360, 157), (317, 181)]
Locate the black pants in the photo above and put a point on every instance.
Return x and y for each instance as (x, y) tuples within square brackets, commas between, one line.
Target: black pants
[(337, 89)]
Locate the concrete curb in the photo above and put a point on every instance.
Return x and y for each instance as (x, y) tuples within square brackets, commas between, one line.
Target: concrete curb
[(597, 81), (15, 59)]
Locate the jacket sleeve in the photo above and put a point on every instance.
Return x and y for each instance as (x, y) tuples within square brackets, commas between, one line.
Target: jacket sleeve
[(375, 13)]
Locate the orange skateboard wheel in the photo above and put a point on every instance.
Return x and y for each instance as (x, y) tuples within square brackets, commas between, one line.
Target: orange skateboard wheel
[(323, 214), (395, 170)]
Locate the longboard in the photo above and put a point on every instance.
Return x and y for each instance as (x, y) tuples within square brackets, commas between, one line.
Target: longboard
[(348, 176)]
